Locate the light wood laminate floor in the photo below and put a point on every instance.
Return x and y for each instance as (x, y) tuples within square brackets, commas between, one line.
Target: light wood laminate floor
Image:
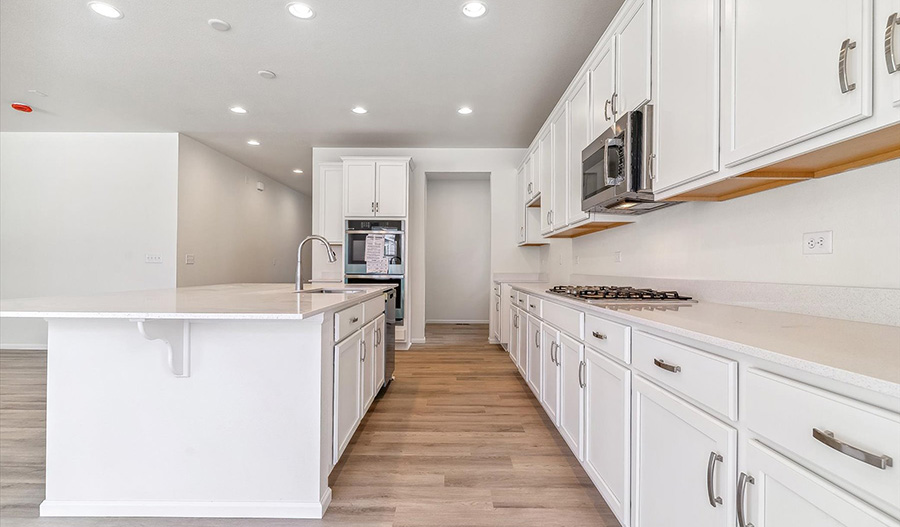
[(457, 440)]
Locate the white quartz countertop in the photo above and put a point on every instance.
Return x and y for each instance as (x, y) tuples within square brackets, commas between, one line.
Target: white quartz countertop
[(857, 353), (212, 302)]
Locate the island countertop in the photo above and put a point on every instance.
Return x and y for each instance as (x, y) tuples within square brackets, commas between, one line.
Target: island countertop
[(211, 302)]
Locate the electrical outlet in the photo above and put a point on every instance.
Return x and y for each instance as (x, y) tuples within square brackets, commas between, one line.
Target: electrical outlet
[(817, 242), (152, 258), (617, 256), (189, 259), (577, 260)]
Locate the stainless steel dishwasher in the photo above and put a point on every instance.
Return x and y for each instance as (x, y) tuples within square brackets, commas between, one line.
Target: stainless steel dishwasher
[(390, 322)]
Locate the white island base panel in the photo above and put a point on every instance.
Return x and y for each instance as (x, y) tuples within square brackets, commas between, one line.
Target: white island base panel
[(246, 434)]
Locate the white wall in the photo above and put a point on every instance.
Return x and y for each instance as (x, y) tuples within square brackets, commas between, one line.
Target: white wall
[(757, 238), (78, 214), (457, 250), (235, 232), (500, 162)]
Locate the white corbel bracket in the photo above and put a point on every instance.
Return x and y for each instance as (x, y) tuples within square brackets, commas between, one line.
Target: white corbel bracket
[(176, 335)]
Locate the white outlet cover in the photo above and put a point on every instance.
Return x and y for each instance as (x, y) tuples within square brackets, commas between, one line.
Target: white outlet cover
[(820, 242), (617, 256)]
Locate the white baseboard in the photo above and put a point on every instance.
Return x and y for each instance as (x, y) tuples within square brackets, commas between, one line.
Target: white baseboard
[(402, 346), (188, 509), (457, 321), (24, 347), (492, 340), (420, 340)]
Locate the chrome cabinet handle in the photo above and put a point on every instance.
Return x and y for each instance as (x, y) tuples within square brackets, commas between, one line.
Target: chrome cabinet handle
[(530, 186), (846, 46), (548, 217), (710, 476), (377, 205), (581, 366), (827, 438), (893, 20), (666, 366), (362, 351), (373, 206), (598, 335), (552, 356), (652, 163), (606, 110), (537, 339), (741, 493), (377, 336), (354, 320), (498, 307), (612, 103)]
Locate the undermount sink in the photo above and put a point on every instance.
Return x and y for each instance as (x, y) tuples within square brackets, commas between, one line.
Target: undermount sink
[(325, 291)]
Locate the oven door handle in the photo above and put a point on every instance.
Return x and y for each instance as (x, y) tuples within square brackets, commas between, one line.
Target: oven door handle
[(376, 276), (396, 233)]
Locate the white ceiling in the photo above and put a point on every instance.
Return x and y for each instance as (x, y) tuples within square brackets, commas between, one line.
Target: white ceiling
[(412, 63)]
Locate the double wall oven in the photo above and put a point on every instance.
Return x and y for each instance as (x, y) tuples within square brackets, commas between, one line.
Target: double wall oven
[(375, 252)]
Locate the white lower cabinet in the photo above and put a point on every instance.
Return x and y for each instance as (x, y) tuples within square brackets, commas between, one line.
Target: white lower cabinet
[(776, 492), (347, 391), (684, 466), (534, 356), (607, 431), (570, 356), (514, 335), (368, 365), (522, 348), (550, 372)]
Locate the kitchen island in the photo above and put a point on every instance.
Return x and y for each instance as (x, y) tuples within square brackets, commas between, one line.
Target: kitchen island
[(213, 401)]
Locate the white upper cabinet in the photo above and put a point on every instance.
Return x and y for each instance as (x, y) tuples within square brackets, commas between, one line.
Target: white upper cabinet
[(520, 207), (376, 187), (602, 86), (560, 172), (792, 71), (686, 90), (359, 188), (633, 60), (545, 167), (887, 42), (330, 196), (391, 191), (579, 139), (532, 183)]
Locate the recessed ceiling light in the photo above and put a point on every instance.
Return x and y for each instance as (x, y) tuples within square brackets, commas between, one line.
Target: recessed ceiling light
[(297, 171), (106, 10), (300, 10), (218, 25), (359, 109), (266, 74), (238, 109), (253, 142), (465, 110), (474, 9)]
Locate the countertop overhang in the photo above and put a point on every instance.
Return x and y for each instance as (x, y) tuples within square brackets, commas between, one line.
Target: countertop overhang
[(212, 302)]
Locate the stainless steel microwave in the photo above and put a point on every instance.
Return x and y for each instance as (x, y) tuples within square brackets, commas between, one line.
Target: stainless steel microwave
[(616, 167)]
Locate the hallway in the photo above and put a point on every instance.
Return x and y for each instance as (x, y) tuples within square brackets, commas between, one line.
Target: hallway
[(457, 440)]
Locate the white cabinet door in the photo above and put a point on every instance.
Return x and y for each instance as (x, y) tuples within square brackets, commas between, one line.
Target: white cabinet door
[(784, 494), (534, 356), (559, 175), (782, 81), (347, 393), (331, 202), (677, 477), (392, 188), (603, 84), (579, 138), (607, 431), (495, 317), (887, 53), (545, 168), (520, 204), (368, 360), (522, 350), (550, 372), (571, 392), (530, 170), (379, 353), (686, 86), (359, 188), (506, 300), (633, 60), (514, 335)]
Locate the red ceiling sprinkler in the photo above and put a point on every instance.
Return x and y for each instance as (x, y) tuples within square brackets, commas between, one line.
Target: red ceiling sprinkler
[(21, 107)]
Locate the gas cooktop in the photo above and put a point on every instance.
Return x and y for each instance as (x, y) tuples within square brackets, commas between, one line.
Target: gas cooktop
[(618, 295)]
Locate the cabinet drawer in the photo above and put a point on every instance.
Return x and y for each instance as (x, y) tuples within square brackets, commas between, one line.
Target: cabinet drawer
[(787, 413), (706, 378), (496, 288), (533, 304), (347, 321), (565, 318), (609, 337), (521, 299), (373, 307)]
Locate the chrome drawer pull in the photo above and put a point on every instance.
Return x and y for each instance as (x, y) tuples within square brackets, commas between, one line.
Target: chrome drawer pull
[(354, 320), (666, 366), (710, 476), (893, 20), (742, 491), (598, 335), (846, 85), (532, 306), (826, 437)]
